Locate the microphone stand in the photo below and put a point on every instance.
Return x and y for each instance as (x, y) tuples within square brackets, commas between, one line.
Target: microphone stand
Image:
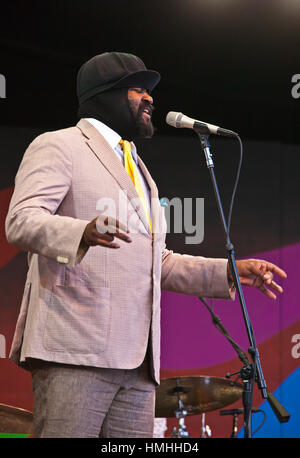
[(250, 372)]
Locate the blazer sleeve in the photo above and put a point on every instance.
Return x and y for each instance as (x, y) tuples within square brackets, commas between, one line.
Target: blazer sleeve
[(42, 181), (195, 275)]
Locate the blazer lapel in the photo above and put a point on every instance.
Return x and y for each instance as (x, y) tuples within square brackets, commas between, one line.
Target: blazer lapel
[(154, 196), (112, 163)]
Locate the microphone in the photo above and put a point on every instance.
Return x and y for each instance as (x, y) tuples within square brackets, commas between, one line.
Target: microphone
[(176, 119)]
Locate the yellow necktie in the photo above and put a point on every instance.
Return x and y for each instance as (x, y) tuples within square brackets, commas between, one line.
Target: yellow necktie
[(132, 171)]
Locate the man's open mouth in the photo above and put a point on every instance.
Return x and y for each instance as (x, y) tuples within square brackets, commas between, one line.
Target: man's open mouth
[(147, 112)]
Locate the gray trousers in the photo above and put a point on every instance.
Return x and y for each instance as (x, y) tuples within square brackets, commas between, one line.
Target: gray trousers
[(77, 401)]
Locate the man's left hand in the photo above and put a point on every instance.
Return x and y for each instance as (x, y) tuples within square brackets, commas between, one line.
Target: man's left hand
[(258, 273)]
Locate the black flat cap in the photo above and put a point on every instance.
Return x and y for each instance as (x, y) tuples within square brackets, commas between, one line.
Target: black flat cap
[(113, 70)]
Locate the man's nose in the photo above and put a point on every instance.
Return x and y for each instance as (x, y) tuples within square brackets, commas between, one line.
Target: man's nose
[(148, 98)]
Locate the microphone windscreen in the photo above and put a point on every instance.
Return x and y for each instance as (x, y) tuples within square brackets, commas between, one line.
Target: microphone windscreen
[(173, 117)]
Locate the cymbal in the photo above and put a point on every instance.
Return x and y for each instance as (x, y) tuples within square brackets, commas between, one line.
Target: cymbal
[(198, 394), (15, 420)]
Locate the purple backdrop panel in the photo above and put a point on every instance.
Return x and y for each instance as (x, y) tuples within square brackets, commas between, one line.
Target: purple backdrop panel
[(189, 338)]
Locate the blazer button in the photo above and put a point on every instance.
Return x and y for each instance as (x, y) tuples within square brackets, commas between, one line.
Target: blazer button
[(62, 260)]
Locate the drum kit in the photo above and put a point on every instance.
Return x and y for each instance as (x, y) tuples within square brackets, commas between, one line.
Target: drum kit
[(183, 396), (15, 421)]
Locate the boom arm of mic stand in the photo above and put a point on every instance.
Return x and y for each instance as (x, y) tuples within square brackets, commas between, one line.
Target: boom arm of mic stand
[(281, 413), (250, 374)]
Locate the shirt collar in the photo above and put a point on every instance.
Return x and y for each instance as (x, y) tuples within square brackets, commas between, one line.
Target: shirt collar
[(111, 136)]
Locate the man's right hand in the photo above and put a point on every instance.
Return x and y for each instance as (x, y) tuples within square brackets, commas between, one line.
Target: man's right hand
[(109, 228)]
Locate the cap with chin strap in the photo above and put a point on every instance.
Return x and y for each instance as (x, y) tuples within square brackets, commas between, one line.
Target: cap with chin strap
[(113, 70)]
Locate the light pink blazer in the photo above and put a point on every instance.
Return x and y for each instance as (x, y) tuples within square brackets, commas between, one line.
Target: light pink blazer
[(100, 307)]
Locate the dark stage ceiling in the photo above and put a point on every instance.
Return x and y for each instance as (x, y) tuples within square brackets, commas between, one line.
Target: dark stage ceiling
[(227, 62)]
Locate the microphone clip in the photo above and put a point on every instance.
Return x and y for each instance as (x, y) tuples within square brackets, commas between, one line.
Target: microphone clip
[(205, 145)]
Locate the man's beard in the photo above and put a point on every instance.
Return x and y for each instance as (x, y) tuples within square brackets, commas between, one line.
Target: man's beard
[(144, 128)]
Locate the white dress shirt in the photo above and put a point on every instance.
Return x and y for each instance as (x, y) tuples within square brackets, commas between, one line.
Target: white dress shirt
[(113, 139)]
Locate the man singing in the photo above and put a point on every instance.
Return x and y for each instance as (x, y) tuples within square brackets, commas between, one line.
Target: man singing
[(89, 324)]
